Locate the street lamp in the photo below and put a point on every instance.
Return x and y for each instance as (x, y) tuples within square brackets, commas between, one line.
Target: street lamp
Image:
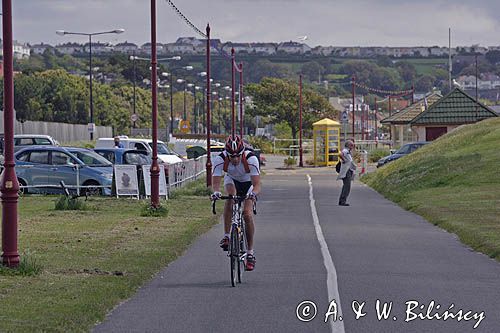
[(184, 117), (63, 33), (187, 68)]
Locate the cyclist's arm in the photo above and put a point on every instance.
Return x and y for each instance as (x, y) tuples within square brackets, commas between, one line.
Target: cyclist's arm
[(216, 180), (256, 184)]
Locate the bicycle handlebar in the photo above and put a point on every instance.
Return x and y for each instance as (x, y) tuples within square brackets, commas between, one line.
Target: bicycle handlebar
[(233, 197)]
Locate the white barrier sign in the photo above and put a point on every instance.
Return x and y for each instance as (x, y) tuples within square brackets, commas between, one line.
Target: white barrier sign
[(126, 180), (146, 173)]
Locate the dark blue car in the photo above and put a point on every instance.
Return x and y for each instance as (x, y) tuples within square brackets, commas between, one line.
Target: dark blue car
[(403, 151), (42, 168)]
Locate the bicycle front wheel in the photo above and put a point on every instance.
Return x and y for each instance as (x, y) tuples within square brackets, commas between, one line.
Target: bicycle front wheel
[(234, 253)]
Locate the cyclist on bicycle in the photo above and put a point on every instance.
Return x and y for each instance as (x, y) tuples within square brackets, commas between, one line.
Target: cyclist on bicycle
[(242, 178)]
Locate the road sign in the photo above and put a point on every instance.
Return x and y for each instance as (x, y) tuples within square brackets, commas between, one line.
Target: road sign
[(343, 118), (134, 117), (185, 126), (91, 127)]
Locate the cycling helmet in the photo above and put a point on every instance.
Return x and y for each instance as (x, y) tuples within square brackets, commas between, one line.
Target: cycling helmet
[(234, 145)]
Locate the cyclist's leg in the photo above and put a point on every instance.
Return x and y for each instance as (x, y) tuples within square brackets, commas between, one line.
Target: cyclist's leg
[(248, 217), (228, 204)]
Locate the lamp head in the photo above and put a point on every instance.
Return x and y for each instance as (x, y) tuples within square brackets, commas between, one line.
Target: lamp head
[(119, 31), (176, 58), (61, 32)]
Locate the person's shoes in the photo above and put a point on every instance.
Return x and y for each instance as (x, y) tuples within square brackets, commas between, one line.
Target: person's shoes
[(224, 243), (344, 204), (250, 262)]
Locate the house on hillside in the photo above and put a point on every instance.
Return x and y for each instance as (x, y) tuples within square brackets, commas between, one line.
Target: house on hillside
[(399, 122), (454, 109), (40, 48), (292, 48), (69, 48), (264, 48), (126, 48)]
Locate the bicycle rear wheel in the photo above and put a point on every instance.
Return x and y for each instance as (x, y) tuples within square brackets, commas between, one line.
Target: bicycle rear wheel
[(234, 253)]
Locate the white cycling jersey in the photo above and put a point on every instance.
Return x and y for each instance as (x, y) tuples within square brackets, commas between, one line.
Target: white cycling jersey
[(236, 172)]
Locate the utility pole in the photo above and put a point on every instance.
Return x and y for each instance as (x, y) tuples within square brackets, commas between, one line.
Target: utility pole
[(449, 58)]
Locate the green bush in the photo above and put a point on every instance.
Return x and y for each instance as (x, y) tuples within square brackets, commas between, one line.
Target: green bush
[(149, 210), (28, 266), (290, 162), (67, 203), (377, 154)]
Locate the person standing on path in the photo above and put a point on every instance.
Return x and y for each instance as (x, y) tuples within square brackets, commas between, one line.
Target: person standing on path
[(347, 168)]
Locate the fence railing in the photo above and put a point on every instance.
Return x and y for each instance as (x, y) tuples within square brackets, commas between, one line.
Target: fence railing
[(179, 174)]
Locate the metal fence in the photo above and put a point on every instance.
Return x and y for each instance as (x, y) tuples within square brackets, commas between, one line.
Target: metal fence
[(179, 174), (60, 131)]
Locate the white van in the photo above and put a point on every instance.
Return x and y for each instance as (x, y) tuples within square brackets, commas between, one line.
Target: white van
[(164, 153)]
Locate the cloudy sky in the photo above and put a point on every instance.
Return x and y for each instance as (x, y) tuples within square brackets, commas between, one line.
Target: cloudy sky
[(325, 22)]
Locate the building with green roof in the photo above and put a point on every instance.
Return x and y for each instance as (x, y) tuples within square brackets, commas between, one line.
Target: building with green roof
[(454, 109), (399, 122)]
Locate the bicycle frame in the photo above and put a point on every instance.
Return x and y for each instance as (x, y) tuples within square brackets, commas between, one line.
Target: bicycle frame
[(237, 252)]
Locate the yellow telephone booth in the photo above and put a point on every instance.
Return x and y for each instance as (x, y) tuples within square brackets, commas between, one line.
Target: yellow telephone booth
[(326, 137)]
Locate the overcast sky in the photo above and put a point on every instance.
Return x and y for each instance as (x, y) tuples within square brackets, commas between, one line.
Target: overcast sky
[(325, 22)]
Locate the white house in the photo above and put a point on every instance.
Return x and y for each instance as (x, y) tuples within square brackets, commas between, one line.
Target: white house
[(40, 48), (126, 47), (69, 48), (293, 48), (264, 48), (98, 48), (146, 48)]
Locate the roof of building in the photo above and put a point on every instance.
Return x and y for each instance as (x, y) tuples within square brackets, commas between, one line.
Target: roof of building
[(327, 122), (455, 108), (410, 112)]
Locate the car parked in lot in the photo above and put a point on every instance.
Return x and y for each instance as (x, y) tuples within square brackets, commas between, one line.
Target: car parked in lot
[(165, 154), (25, 140), (125, 156), (42, 168), (403, 151)]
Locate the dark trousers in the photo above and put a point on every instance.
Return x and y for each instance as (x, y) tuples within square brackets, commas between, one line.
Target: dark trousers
[(346, 188)]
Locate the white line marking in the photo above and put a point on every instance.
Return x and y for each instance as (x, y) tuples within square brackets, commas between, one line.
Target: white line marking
[(331, 273)]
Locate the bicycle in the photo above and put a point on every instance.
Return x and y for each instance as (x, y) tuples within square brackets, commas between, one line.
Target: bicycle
[(237, 251)]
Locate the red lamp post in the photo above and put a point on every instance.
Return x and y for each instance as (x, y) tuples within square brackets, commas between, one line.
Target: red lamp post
[(155, 169), (241, 99), (301, 163), (233, 123), (9, 185), (209, 98), (353, 105)]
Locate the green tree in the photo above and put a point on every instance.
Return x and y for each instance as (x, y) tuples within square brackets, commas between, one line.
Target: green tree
[(279, 100)]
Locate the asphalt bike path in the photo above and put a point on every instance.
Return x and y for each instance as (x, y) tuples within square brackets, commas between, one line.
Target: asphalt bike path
[(194, 293), (330, 260), (382, 252)]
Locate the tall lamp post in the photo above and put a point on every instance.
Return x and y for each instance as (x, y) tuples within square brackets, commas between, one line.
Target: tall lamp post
[(62, 33), (9, 186), (187, 68)]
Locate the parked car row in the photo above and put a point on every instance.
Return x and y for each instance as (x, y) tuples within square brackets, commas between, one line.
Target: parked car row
[(41, 164)]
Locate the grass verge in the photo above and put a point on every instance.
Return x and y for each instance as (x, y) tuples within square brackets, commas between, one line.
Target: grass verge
[(452, 183), (80, 264)]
